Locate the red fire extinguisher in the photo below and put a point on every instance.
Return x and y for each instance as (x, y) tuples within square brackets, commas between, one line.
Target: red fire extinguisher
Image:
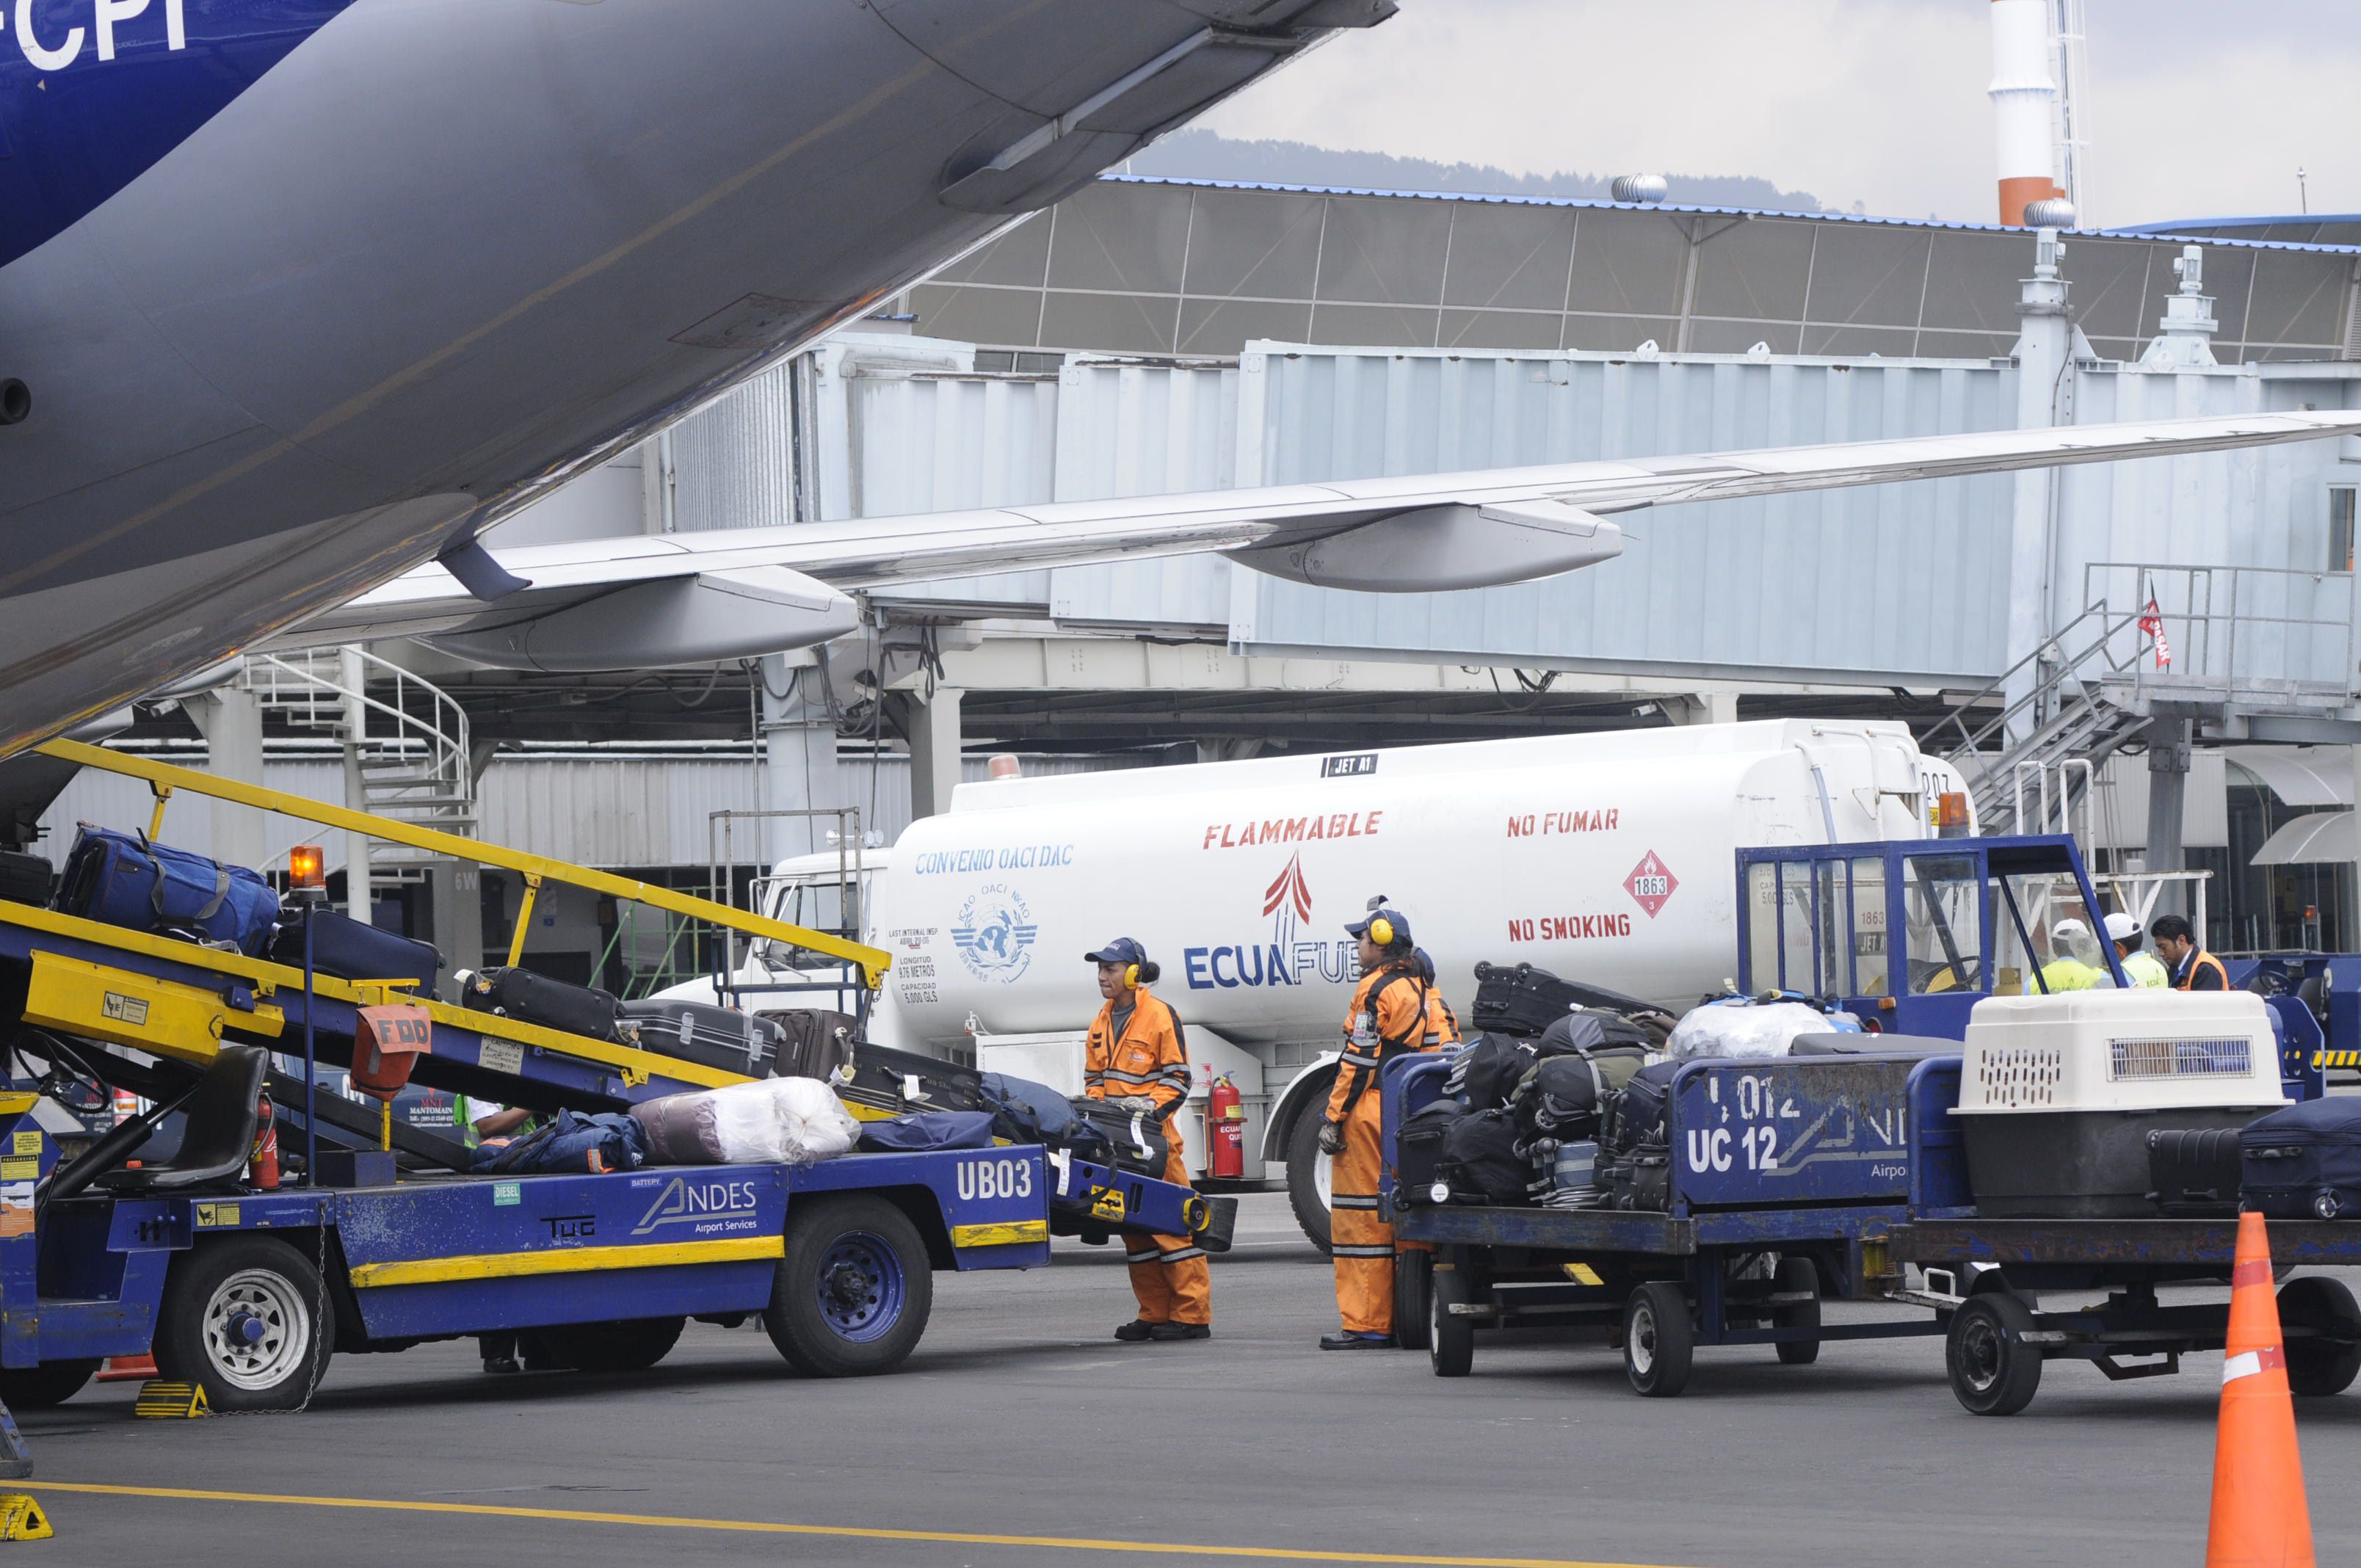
[(262, 1159), (1225, 1122)]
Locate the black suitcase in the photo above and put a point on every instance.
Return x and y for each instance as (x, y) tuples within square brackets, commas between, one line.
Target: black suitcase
[(1644, 1180), (2303, 1163), (1134, 1139), (355, 949), (1481, 1163), (814, 1041), (1418, 1151), (532, 998), (1519, 999), (25, 879), (1636, 1114), (712, 1036), (884, 1079), (2194, 1172)]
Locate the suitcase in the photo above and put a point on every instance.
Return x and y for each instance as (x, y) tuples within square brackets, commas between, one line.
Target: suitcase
[(353, 949), (814, 1041), (1418, 1151), (1644, 1180), (25, 879), (124, 880), (1134, 1139), (884, 1079), (1636, 1114), (2194, 1172), (720, 1037), (1519, 999), (1481, 1162), (532, 998), (2303, 1163)]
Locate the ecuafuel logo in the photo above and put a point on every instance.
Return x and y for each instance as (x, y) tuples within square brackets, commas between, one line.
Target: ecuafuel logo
[(710, 1206), (1284, 958)]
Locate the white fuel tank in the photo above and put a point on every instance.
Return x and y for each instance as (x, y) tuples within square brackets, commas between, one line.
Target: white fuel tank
[(1606, 858)]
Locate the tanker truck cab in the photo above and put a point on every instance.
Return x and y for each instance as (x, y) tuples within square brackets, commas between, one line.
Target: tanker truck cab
[(828, 892)]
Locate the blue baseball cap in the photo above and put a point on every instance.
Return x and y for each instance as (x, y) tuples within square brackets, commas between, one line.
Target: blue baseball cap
[(1393, 917), (1122, 950)]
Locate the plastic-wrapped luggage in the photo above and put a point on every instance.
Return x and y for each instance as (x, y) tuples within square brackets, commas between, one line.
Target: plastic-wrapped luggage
[(2304, 1162), (533, 998), (1749, 1029), (124, 880), (774, 1120), (355, 949), (720, 1037)]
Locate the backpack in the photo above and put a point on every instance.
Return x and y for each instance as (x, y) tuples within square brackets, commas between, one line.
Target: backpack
[(1560, 1097), (1024, 1111), (1487, 1070), (922, 1130)]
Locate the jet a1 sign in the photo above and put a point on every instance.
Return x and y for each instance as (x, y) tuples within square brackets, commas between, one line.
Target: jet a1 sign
[(1281, 958)]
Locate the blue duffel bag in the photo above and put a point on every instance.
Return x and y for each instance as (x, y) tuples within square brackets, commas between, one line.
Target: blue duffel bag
[(922, 1130), (124, 880)]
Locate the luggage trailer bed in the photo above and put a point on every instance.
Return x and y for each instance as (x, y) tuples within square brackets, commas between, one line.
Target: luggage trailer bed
[(1983, 1280), (1787, 1174)]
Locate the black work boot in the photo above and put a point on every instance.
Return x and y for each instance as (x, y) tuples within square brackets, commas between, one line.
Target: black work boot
[(1137, 1330), (1351, 1340), (1180, 1330)]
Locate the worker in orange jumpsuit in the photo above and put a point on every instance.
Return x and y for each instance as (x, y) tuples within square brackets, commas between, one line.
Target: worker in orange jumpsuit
[(1138, 1058), (1395, 1009)]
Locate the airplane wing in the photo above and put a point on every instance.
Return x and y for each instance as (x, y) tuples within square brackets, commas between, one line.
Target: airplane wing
[(635, 602)]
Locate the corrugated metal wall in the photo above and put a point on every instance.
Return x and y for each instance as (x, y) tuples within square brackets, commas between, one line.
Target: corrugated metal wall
[(594, 808)]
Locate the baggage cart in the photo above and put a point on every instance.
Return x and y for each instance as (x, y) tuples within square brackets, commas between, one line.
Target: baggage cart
[(1787, 1177)]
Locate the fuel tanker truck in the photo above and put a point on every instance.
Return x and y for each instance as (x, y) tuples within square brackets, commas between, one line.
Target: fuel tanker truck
[(1605, 858)]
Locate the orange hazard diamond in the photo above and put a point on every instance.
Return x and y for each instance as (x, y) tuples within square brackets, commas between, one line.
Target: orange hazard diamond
[(1651, 883)]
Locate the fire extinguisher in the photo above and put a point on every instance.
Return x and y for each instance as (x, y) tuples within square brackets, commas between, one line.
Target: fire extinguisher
[(262, 1159), (1226, 1121)]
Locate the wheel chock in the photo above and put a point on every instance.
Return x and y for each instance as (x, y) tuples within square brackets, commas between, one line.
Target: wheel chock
[(21, 1518), (160, 1401)]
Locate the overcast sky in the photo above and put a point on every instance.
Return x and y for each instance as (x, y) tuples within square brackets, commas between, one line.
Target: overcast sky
[(2199, 110)]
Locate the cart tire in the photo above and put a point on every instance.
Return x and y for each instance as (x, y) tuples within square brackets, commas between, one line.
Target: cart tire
[(40, 1387), (1308, 1174), (247, 1317), (1413, 1284), (1797, 1274), (2318, 1368), (1450, 1341), (853, 1290), (1993, 1371), (1659, 1342), (632, 1344)]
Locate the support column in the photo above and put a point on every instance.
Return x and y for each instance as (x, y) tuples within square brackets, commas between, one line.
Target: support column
[(799, 766), (2045, 340), (933, 724), (2167, 794), (230, 719)]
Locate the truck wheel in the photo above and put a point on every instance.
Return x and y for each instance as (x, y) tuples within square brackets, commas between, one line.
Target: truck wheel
[(1659, 1345), (1450, 1340), (632, 1344), (1993, 1371), (1413, 1283), (853, 1291), (1794, 1275), (1308, 1176), (248, 1318), (50, 1383), (2317, 1367)]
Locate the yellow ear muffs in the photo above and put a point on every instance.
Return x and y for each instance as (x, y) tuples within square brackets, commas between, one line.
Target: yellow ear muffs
[(1381, 932), (1131, 974)]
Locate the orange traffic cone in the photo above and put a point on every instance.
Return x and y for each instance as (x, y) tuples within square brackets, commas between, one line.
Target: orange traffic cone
[(122, 1369), (2260, 1520)]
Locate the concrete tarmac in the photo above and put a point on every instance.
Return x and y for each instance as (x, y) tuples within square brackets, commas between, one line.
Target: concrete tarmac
[(1020, 1418)]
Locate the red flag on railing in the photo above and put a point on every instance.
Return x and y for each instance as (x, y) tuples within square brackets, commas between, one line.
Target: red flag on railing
[(2152, 623)]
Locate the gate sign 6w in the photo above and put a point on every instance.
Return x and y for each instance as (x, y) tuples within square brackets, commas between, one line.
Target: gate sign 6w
[(1776, 1132)]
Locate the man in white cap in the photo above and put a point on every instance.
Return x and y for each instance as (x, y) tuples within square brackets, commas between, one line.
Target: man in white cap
[(2068, 970), (2140, 967)]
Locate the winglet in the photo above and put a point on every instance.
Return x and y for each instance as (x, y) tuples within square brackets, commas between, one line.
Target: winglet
[(478, 572)]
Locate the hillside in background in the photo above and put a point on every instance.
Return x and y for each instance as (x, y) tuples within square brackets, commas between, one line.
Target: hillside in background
[(1207, 155)]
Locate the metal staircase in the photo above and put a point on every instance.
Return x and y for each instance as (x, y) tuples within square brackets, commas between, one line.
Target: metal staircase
[(404, 739), (2015, 759)]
